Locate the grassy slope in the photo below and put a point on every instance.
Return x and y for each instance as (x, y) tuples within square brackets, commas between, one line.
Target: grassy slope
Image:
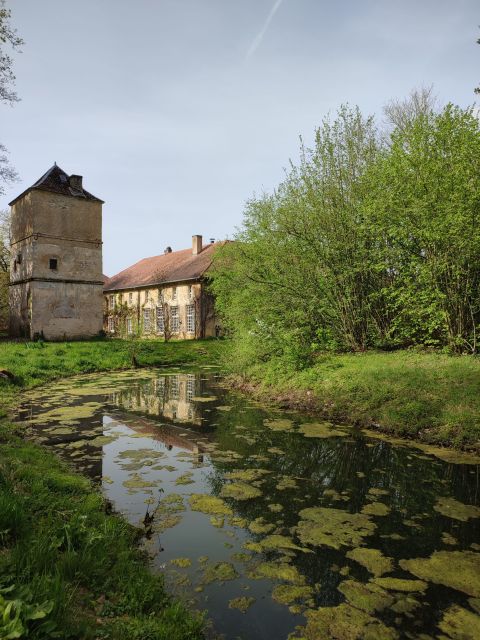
[(58, 547), (431, 397)]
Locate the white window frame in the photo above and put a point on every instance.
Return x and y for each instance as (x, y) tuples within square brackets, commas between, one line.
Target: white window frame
[(130, 298), (147, 321), (111, 324), (174, 293), (174, 319), (129, 326), (160, 319), (190, 317), (111, 302)]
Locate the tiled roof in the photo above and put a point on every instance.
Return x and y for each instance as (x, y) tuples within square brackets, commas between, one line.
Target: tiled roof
[(176, 266), (57, 181)]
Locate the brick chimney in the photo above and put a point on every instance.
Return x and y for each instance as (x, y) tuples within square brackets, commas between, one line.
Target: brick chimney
[(196, 245), (76, 182)]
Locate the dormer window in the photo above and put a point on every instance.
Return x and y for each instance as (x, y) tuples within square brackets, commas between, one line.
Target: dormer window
[(53, 264)]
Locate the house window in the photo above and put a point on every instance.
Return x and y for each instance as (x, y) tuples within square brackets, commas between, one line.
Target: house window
[(190, 291), (129, 326), (160, 320), (147, 322), (111, 302), (146, 295), (175, 320), (130, 297), (190, 318), (53, 264), (174, 293), (190, 387), (174, 387), (111, 325), (19, 258)]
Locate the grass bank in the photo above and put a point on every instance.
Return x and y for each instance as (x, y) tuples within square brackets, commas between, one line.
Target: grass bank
[(68, 568), (430, 397)]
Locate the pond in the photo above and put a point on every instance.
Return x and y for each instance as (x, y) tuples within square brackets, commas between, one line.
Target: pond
[(275, 523)]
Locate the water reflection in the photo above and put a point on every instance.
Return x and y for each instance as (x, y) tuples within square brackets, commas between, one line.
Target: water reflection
[(154, 440)]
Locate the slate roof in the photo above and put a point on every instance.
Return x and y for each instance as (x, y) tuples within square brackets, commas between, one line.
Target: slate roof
[(56, 180), (176, 266)]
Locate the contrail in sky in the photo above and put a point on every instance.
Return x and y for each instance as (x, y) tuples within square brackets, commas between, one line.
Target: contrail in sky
[(259, 37)]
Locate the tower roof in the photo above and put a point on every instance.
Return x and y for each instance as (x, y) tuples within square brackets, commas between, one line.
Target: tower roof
[(56, 180)]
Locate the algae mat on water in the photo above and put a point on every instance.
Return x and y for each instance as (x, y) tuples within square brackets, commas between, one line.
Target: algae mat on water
[(333, 527)]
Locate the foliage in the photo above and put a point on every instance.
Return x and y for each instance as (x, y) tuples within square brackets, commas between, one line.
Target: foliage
[(370, 241)]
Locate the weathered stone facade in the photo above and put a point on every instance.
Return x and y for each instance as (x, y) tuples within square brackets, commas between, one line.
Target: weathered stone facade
[(56, 282)]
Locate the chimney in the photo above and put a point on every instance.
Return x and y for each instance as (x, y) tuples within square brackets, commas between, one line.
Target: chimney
[(196, 245), (167, 250), (76, 182)]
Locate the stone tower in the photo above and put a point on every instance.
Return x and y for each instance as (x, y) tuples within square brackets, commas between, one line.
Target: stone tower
[(56, 282)]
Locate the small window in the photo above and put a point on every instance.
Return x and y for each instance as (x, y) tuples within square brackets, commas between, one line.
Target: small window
[(111, 302), (190, 291), (147, 323), (174, 293), (146, 296), (160, 320), (53, 264), (111, 325), (129, 326), (19, 258), (130, 297)]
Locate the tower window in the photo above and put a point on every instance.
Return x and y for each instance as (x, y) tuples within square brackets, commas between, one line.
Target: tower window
[(53, 264)]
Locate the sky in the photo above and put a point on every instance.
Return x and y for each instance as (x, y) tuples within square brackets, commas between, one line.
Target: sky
[(176, 112)]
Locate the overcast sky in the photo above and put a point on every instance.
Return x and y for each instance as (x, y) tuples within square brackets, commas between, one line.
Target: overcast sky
[(176, 111)]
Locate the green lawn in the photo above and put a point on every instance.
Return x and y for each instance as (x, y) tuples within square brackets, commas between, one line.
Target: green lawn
[(68, 569), (431, 397)]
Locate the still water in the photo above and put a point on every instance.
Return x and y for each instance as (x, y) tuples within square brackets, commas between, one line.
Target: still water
[(271, 521)]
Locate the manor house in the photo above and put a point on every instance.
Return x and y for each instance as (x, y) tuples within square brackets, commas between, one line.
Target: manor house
[(164, 295)]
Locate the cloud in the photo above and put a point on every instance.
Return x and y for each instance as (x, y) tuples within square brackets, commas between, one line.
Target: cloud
[(259, 37)]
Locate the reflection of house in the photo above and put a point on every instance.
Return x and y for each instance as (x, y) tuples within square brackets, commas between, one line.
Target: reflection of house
[(163, 296), (168, 397)]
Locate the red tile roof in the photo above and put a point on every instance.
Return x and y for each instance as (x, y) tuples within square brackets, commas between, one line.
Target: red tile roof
[(176, 266)]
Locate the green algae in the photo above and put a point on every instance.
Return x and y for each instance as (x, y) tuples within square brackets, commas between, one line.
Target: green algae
[(400, 584), (247, 475), (404, 603), (219, 572), (237, 521), (447, 538), (460, 624), (183, 563), (376, 509), (107, 479), (279, 424), (136, 482), (377, 491), (289, 594), (367, 597), (280, 571), (475, 604), (281, 542), (241, 557), (259, 525), (240, 491), (335, 496), (209, 504), (286, 483), (101, 441), (276, 451), (333, 527), (275, 508), (343, 623), (459, 570), (320, 430), (371, 559), (166, 521), (186, 478), (253, 546), (224, 408), (243, 603), (217, 521), (203, 398), (457, 510)]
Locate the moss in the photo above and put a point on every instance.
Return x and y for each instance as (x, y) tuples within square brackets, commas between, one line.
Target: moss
[(209, 504), (240, 491), (219, 572), (344, 623), (457, 510), (400, 584), (456, 569), (288, 594), (242, 604), (333, 527), (376, 509), (260, 526), (460, 624), (371, 559), (280, 424), (321, 430), (183, 563)]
